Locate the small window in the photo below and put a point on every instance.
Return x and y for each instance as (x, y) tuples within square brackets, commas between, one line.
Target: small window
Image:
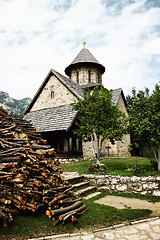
[(52, 94), (99, 79), (77, 76), (89, 76)]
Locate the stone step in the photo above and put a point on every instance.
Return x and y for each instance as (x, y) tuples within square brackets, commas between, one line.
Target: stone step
[(92, 195), (69, 175), (84, 191), (80, 185), (74, 179)]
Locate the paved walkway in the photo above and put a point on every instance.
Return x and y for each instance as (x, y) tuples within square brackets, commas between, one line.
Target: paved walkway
[(148, 229)]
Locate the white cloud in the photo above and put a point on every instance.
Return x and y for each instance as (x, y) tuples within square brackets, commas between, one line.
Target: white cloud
[(38, 35)]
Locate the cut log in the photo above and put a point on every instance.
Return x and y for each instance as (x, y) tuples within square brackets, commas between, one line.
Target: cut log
[(30, 178), (67, 209)]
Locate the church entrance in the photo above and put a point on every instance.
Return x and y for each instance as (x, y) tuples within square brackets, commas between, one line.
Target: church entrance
[(66, 144)]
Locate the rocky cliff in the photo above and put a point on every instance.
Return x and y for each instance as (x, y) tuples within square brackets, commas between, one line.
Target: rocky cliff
[(13, 106)]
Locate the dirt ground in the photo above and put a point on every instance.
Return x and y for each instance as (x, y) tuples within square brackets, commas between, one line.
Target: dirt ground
[(134, 203)]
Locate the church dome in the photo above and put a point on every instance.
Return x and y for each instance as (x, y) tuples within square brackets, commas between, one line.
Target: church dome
[(84, 57)]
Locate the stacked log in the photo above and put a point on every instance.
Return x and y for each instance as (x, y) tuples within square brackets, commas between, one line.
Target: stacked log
[(30, 178)]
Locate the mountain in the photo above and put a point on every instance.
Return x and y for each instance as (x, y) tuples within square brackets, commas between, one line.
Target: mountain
[(13, 106)]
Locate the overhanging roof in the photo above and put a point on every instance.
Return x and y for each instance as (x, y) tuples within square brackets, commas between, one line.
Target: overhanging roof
[(85, 57), (52, 119), (60, 118)]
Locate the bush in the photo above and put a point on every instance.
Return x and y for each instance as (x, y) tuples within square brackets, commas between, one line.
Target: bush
[(136, 169), (97, 168), (154, 164)]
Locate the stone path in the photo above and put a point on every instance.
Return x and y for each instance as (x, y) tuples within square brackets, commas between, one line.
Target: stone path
[(148, 229), (134, 203)]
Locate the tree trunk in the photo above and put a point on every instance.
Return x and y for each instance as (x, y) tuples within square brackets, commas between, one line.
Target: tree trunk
[(93, 145), (158, 156), (101, 145), (98, 148), (155, 154)]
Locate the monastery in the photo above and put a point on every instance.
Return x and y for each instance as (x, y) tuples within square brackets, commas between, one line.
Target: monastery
[(51, 113)]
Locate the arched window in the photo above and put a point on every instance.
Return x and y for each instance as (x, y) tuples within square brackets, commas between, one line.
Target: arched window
[(89, 76), (99, 78), (77, 77), (52, 91), (52, 94)]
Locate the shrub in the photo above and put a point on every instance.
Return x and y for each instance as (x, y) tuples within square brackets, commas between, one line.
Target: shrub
[(154, 164), (97, 168)]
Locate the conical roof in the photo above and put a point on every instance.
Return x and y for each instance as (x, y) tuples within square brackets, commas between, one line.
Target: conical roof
[(84, 56)]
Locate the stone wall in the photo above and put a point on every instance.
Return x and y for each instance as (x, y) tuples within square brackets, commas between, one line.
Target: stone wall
[(61, 95), (136, 185), (84, 76), (119, 149)]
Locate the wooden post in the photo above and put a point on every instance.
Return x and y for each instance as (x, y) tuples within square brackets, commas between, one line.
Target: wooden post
[(108, 147)]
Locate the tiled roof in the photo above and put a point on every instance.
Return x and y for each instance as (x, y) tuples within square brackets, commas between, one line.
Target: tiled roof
[(116, 95), (70, 83), (84, 56), (59, 118), (52, 119), (89, 85)]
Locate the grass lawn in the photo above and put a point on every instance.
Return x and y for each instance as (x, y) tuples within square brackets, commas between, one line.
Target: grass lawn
[(97, 216), (116, 166)]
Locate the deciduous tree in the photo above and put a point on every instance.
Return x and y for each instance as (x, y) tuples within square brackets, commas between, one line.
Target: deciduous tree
[(144, 120), (155, 124), (99, 118)]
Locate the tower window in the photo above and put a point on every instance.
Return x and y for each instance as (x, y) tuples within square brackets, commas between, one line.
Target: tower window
[(77, 76), (52, 94), (99, 79), (89, 76)]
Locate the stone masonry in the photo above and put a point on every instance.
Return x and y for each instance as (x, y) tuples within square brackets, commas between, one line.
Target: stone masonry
[(83, 75), (62, 96), (136, 185)]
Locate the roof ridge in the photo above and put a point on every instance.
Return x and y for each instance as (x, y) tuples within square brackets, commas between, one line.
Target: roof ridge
[(70, 84), (73, 86), (84, 55)]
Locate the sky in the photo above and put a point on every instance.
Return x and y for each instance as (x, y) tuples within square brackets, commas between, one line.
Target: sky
[(37, 35)]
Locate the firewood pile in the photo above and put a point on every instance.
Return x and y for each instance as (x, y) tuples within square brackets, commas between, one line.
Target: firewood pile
[(30, 178)]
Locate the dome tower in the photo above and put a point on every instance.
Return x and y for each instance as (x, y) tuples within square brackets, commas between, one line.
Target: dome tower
[(85, 69)]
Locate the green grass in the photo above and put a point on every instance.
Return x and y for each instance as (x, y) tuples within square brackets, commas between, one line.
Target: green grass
[(115, 166), (97, 216)]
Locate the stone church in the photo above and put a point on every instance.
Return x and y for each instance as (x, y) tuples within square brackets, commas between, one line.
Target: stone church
[(51, 113)]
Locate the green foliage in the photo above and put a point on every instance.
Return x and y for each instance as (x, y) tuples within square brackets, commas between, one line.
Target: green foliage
[(144, 120), (98, 117), (154, 164), (137, 170), (155, 117), (16, 116), (139, 108), (95, 168)]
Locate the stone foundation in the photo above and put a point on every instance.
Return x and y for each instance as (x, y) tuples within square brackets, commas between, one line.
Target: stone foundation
[(137, 185)]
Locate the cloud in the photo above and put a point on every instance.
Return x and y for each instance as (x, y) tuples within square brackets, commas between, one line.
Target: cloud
[(35, 36)]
